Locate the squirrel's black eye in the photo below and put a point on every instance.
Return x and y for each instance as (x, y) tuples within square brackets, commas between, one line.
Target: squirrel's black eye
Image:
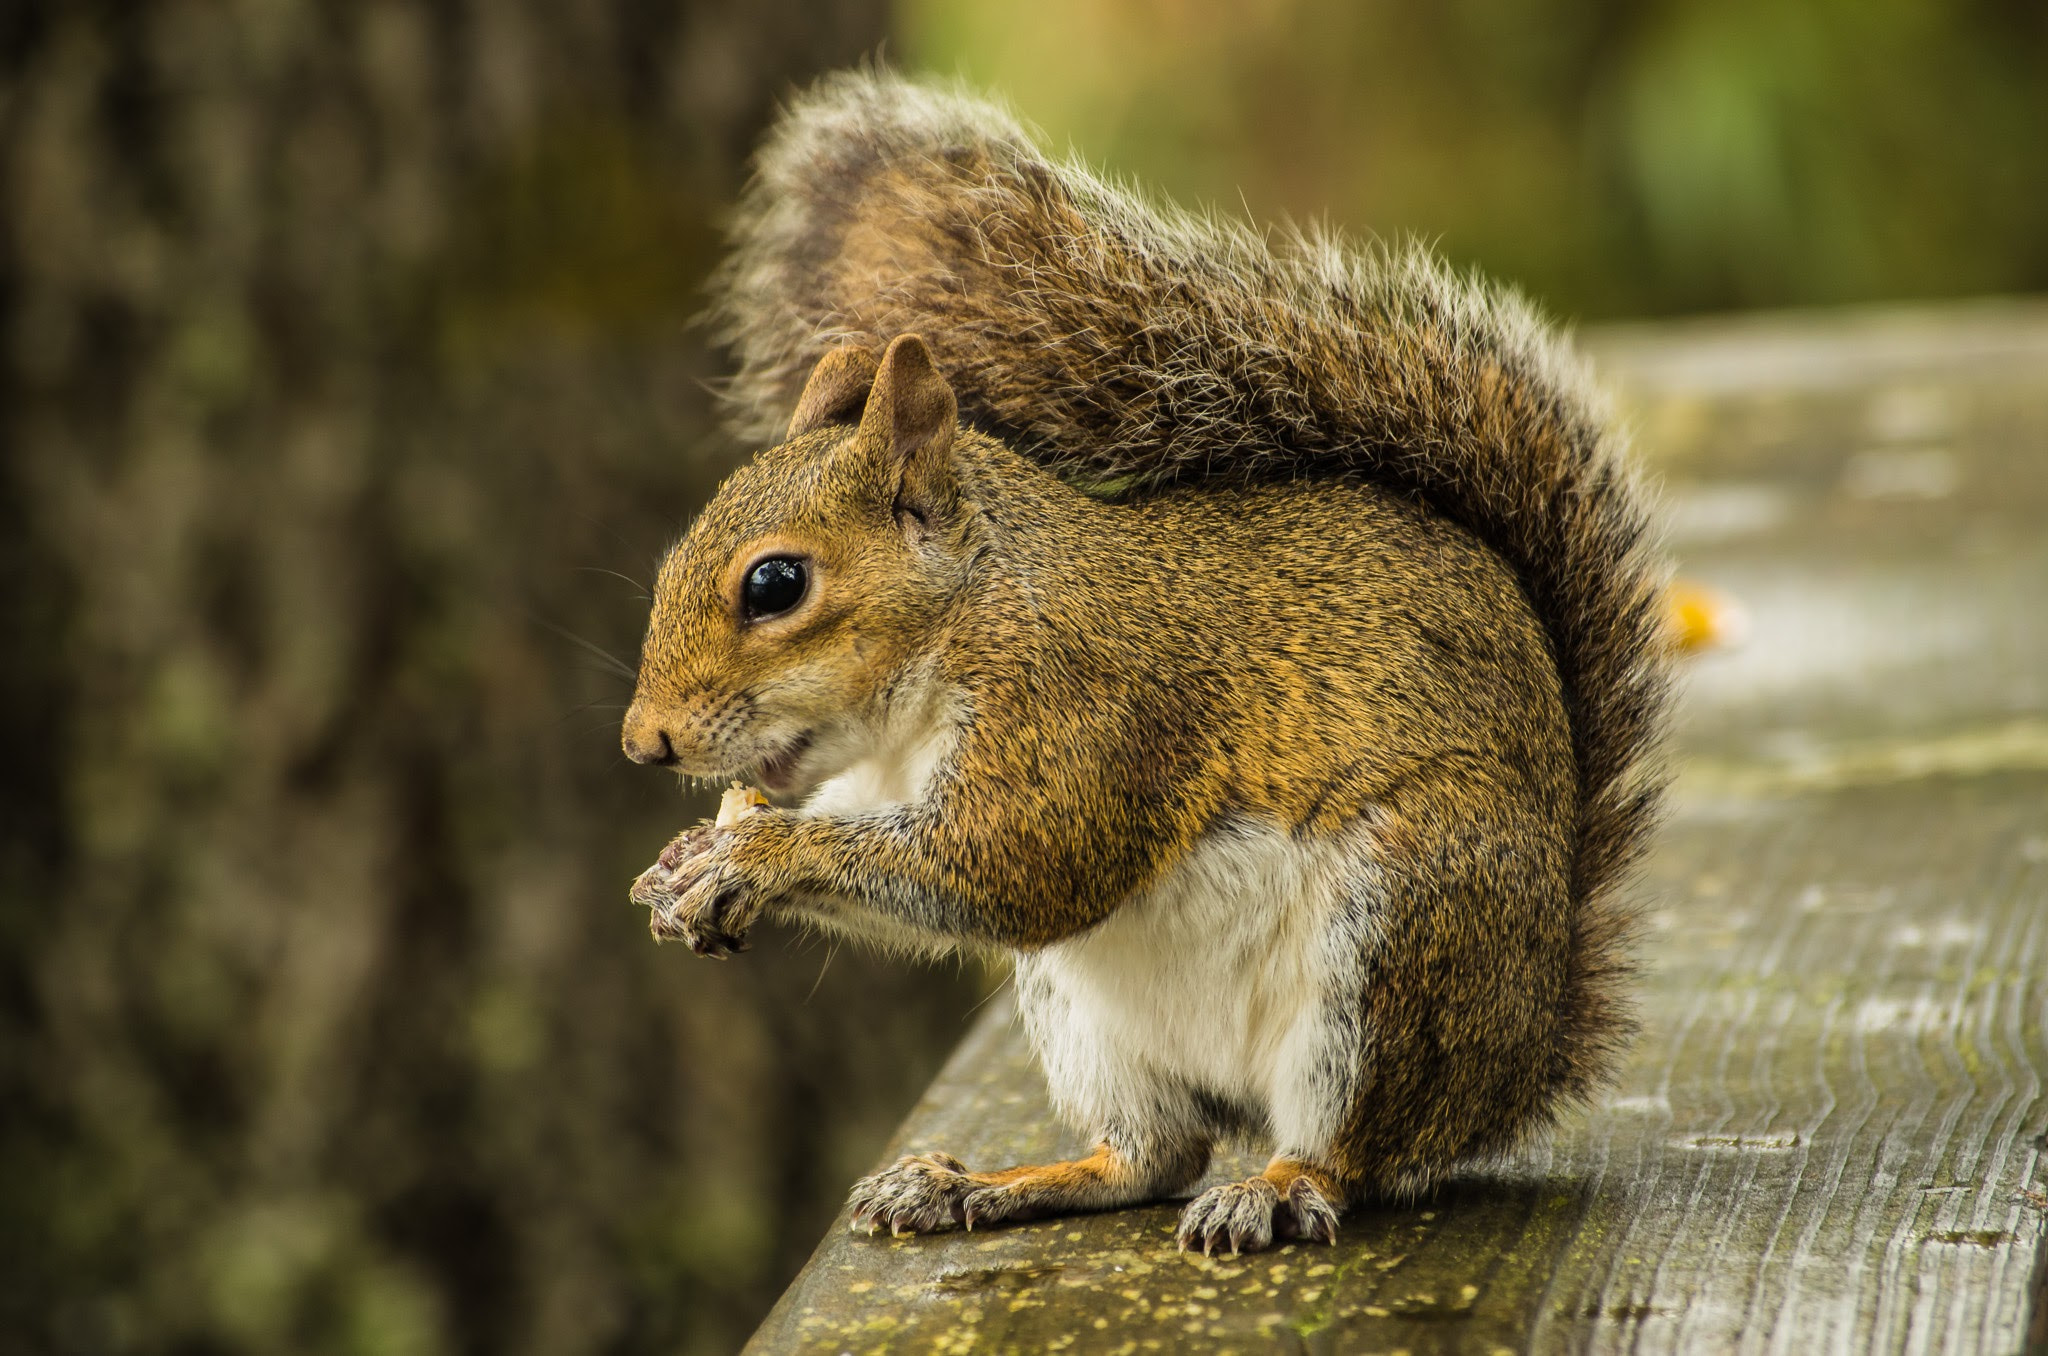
[(775, 585)]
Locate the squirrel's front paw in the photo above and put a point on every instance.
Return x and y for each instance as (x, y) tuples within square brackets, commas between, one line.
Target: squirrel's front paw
[(693, 895)]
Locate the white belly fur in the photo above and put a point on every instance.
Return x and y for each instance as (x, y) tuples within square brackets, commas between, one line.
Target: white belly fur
[(896, 763), (1239, 973)]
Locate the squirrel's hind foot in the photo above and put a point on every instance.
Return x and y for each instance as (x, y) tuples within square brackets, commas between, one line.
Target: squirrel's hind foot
[(927, 1193), (919, 1194), (1283, 1203)]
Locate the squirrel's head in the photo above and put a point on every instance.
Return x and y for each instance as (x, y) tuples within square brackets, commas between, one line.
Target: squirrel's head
[(808, 589)]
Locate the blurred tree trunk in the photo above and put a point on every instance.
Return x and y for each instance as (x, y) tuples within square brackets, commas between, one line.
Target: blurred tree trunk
[(338, 339)]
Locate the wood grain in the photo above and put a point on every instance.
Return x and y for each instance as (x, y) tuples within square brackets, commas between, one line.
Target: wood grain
[(1831, 1135)]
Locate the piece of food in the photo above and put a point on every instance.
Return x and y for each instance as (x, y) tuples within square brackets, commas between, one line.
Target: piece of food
[(738, 800), (1701, 619)]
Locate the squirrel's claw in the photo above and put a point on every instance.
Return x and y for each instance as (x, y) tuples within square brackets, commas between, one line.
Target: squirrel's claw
[(693, 896), (1237, 1216), (1308, 1214), (921, 1194), (710, 936), (1250, 1216)]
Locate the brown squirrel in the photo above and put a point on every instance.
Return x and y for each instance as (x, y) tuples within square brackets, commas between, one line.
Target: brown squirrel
[(1261, 645)]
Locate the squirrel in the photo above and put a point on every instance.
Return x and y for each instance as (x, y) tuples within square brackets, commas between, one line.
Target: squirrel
[(1259, 642)]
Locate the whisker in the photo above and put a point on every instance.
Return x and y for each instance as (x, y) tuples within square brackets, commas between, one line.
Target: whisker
[(611, 661), (830, 952), (1008, 979), (642, 591), (613, 711), (605, 669)]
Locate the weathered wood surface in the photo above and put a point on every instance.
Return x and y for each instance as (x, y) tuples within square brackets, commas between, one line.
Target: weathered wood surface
[(1833, 1135)]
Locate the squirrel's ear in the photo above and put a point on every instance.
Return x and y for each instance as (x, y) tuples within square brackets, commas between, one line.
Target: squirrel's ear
[(911, 411), (837, 390)]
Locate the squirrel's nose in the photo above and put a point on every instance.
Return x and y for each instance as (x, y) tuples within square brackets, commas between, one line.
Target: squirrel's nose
[(645, 741)]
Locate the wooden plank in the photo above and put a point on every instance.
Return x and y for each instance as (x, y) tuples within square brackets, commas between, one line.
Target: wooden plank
[(1833, 1134)]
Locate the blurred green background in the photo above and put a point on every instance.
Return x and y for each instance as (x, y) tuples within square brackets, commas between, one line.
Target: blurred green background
[(348, 400)]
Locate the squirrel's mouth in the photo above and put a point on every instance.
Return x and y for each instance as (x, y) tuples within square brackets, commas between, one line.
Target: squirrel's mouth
[(777, 774)]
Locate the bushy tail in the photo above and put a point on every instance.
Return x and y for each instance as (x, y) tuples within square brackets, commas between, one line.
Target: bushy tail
[(1126, 345)]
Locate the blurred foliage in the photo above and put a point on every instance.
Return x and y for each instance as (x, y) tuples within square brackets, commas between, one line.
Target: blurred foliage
[(1614, 158), (342, 377), (343, 360)]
